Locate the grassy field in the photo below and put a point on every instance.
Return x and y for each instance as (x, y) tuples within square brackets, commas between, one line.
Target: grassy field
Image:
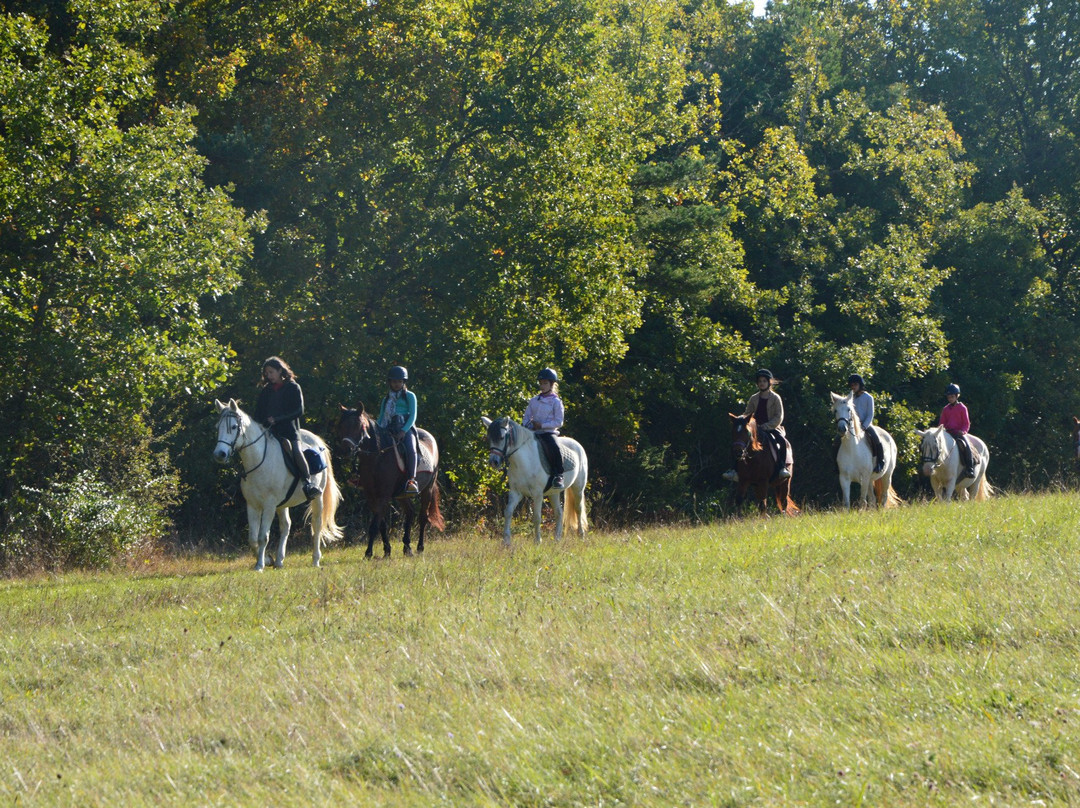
[(927, 656)]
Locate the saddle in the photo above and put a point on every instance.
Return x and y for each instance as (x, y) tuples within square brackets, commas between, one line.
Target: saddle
[(427, 456), (315, 460), (545, 461)]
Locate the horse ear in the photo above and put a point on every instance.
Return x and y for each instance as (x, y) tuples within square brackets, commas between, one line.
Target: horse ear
[(360, 406), (485, 421), (1076, 420), (921, 432), (733, 416), (219, 405), (234, 405), (835, 397), (342, 407)]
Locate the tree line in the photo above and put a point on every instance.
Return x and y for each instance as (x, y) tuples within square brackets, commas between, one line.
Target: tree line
[(654, 197)]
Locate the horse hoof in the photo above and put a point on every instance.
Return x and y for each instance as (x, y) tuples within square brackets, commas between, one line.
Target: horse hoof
[(408, 552)]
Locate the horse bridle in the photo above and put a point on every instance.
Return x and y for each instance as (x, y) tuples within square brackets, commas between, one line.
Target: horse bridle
[(235, 450), (935, 458), (744, 446), (356, 448), (506, 444)]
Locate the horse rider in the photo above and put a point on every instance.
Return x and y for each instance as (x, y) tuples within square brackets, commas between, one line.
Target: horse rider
[(397, 412), (955, 419), (544, 415), (279, 407), (768, 411), (864, 410)]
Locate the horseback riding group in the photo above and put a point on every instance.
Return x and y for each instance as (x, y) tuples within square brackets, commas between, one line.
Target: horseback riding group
[(393, 460), (954, 460)]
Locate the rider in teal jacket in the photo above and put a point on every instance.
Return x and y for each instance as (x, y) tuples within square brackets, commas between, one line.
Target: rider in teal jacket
[(397, 412)]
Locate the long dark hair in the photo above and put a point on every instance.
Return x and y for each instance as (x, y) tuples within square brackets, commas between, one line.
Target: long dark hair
[(279, 364)]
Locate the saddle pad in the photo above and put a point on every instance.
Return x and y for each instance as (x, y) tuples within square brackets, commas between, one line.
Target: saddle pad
[(427, 459), (546, 464)]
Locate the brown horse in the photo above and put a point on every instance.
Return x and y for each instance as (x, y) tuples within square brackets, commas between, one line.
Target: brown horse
[(757, 466), (367, 451)]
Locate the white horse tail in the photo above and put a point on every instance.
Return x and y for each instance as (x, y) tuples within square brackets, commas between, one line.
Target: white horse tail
[(574, 517), (985, 490), (329, 529)]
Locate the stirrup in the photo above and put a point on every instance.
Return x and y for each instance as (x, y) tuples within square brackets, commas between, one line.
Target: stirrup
[(311, 490), (557, 481), (411, 487), (879, 467)]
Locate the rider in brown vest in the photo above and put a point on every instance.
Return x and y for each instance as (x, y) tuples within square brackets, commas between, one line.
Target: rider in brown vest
[(768, 411)]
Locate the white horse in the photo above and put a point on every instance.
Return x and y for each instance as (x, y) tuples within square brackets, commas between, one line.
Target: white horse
[(266, 483), (856, 458), (517, 448), (941, 463)]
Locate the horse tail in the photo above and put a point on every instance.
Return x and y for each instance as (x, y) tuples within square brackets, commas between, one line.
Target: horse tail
[(985, 490), (891, 498), (792, 509), (574, 517), (434, 515), (329, 529)]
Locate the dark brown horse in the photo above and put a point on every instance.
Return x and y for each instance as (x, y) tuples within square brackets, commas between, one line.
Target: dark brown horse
[(757, 466), (366, 451)]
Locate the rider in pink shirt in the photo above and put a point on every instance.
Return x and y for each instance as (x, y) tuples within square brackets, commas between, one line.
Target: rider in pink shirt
[(957, 423)]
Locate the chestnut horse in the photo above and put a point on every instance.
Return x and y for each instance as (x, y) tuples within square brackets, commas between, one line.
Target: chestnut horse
[(371, 462), (756, 467)]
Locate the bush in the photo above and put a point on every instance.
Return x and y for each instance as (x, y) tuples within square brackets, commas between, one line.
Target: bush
[(85, 521)]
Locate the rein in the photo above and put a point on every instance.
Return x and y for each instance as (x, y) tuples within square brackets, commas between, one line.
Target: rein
[(233, 448), (506, 444), (935, 458), (357, 449)]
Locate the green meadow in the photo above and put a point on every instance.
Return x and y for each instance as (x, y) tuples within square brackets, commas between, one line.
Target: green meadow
[(924, 656)]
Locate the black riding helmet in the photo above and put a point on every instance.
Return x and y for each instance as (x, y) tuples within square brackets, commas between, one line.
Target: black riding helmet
[(547, 375), (397, 373), (855, 378), (763, 373), (952, 389)]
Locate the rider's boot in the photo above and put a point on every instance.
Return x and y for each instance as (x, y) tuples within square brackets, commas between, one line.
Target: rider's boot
[(557, 481), (311, 489)]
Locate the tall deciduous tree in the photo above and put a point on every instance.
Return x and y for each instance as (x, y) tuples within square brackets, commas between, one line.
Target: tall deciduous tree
[(109, 241)]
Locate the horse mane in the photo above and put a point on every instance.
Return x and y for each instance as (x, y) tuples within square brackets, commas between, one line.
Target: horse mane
[(751, 427), (856, 424)]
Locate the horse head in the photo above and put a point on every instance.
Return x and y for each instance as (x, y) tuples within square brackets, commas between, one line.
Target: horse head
[(353, 431), (932, 448), (500, 437), (744, 439), (843, 408), (232, 421)]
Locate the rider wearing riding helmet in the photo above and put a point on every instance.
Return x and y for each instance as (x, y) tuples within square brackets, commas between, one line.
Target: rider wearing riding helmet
[(768, 411), (955, 419), (864, 409), (279, 407), (544, 415), (397, 412)]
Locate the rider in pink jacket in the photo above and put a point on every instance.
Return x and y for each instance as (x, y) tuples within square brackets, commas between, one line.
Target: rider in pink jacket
[(957, 423)]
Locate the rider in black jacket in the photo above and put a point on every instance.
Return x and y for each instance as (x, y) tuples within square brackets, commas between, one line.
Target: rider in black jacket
[(279, 408)]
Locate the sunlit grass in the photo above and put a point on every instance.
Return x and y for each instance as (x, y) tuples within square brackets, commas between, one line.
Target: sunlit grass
[(923, 656)]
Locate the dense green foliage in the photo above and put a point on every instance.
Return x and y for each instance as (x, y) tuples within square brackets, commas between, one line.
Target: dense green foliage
[(836, 659), (653, 197)]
